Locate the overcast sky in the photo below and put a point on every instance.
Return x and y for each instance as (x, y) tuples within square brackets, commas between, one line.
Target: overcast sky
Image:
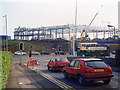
[(37, 13)]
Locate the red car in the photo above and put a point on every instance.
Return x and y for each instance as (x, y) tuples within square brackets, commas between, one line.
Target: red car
[(57, 63), (88, 69)]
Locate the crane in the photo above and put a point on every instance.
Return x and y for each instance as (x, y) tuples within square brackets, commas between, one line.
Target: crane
[(84, 32), (95, 16)]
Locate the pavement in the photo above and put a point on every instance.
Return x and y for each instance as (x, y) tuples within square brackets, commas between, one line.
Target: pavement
[(24, 77)]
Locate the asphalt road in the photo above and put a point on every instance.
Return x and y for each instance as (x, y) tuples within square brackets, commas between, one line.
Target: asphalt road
[(58, 78)]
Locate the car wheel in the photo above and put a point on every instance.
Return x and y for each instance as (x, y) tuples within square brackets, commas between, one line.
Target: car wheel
[(106, 81), (48, 68), (53, 69), (65, 74), (81, 80)]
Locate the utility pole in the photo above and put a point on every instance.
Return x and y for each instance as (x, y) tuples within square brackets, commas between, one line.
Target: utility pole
[(6, 39)]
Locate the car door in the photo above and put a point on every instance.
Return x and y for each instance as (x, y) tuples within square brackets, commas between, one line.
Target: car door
[(70, 68), (50, 63), (53, 62), (76, 69)]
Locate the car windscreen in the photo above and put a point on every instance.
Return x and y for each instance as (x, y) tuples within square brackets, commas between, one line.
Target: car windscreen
[(95, 64), (61, 51), (61, 60)]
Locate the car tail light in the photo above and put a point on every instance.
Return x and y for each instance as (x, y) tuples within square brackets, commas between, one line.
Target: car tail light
[(109, 69)]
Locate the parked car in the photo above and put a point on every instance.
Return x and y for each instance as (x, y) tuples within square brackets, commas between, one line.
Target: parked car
[(60, 53), (19, 53), (88, 69), (112, 55), (57, 63), (35, 53), (45, 52)]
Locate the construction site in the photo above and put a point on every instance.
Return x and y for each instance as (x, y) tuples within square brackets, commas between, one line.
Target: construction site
[(61, 36)]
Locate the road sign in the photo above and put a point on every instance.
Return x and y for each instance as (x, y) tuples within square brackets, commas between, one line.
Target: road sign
[(21, 46), (33, 62)]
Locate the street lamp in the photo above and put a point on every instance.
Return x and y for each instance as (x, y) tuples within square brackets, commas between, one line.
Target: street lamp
[(114, 29), (75, 35)]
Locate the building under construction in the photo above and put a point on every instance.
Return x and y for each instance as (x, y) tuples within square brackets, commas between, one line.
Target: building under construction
[(61, 31)]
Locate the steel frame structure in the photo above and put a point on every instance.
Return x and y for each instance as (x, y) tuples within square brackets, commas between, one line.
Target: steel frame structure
[(59, 31)]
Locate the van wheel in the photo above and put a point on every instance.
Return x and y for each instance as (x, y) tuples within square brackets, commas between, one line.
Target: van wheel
[(65, 74), (81, 80), (106, 81)]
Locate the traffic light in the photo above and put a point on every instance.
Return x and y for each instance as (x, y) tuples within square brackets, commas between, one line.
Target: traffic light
[(21, 46)]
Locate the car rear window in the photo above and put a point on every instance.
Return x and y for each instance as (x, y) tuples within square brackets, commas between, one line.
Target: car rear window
[(61, 60), (95, 64)]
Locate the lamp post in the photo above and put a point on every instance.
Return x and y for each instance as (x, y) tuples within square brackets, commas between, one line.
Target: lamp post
[(114, 29), (75, 35), (5, 16)]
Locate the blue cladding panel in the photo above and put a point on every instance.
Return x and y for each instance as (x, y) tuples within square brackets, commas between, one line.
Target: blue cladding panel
[(4, 37), (110, 42)]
